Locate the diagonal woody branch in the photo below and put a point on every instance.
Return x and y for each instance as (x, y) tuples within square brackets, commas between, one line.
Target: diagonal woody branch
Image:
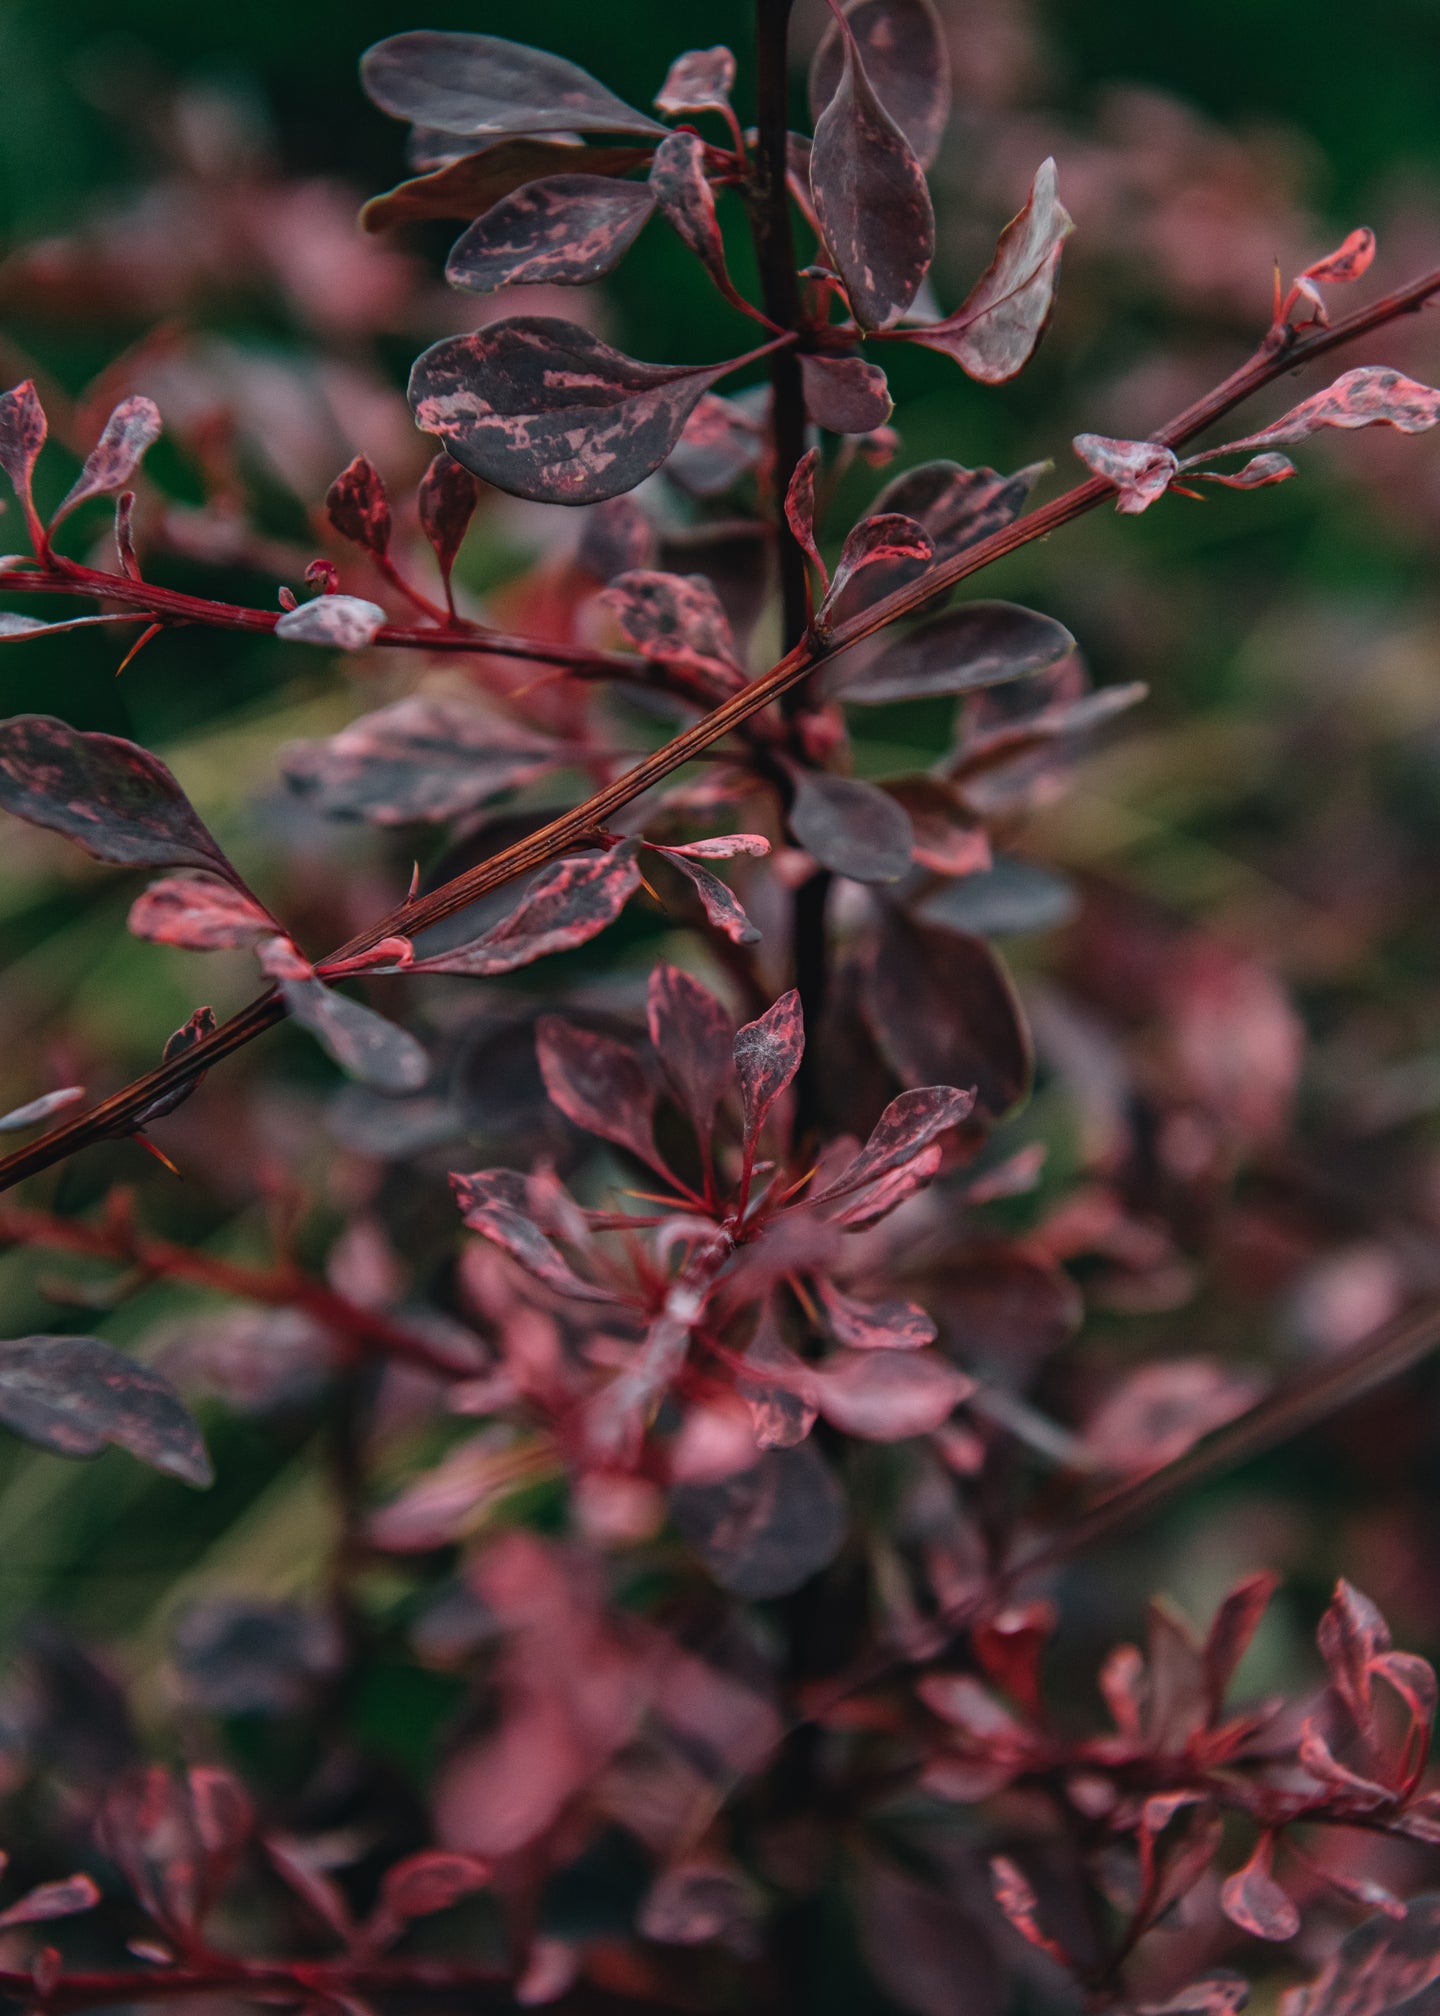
[(1283, 350)]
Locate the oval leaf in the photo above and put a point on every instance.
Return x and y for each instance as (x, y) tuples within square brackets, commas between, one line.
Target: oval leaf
[(469, 186), (365, 1045), (130, 430), (41, 1109), (418, 759), (699, 81), (849, 826), (564, 231), (907, 60), (198, 914), (942, 1010), (978, 644), (567, 905), (887, 1396), (473, 85), (77, 1396), (598, 1084), (358, 508), (692, 1038), (992, 335), (767, 1055), (339, 622), (845, 394), (766, 1530)]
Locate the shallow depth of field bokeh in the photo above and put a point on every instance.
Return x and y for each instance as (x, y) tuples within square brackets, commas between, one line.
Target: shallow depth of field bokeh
[(178, 194)]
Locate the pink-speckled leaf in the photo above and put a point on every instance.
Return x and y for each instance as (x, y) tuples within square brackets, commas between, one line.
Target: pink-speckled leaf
[(200, 914), (691, 1033), (132, 428), (418, 759), (431, 1881), (956, 506), (78, 1396), (907, 61), (1371, 396), (721, 905), (767, 1055), (23, 429), (978, 644), (1260, 471), (564, 231), (1347, 262), (851, 827), (545, 410), (994, 333), (878, 1199), (887, 1396), (335, 622), (892, 1325), (1021, 1907), (477, 85), (496, 1202), (567, 905), (845, 394), (109, 796), (358, 507), (598, 1084), (699, 81), (800, 510), (35, 1111), (446, 500), (870, 197), (1254, 1901), (1379, 1966), (721, 847), (1159, 1410), (61, 1899), (765, 1530), (675, 619), (687, 203), (886, 540), (1352, 1634), (469, 186), (1141, 471), (949, 838), (908, 1124)]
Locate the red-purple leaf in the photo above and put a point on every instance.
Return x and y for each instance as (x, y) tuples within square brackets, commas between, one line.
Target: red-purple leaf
[(884, 541), (1371, 396), (721, 905), (192, 1031), (693, 1902), (567, 905), (446, 499), (565, 231), (892, 1325), (37, 1110), (720, 847), (469, 186), (618, 539), (764, 1531), (1141, 471), (418, 759), (978, 644), (994, 333), (687, 203), (767, 1055), (1159, 1410), (77, 1396), (1351, 1635), (888, 1396), (62, 1899), (130, 430), (1254, 1901), (545, 410), (22, 435), (1348, 261), (199, 914), (313, 1885), (675, 619), (431, 1881), (941, 1008), (948, 837), (845, 394), (476, 85), (336, 622), (877, 1200), (365, 1045), (1234, 1625), (1380, 1966), (699, 81), (908, 63), (870, 197), (691, 1033), (851, 827), (1257, 473), (110, 797), (598, 1084), (907, 1125), (496, 1202), (719, 443), (800, 510), (359, 508), (1019, 1903), (957, 507)]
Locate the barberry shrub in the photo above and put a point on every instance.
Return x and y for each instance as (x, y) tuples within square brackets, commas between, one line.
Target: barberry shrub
[(707, 1447)]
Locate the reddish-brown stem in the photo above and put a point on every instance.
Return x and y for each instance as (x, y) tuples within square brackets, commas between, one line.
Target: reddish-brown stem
[(579, 827), (312, 1983)]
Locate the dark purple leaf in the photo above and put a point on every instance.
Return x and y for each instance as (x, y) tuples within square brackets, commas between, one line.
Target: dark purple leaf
[(1234, 1625), (199, 1025), (850, 826), (767, 1055), (22, 435), (1007, 899), (1351, 1635), (431, 1881), (62, 1899), (887, 541), (948, 837), (317, 1890), (358, 507), (764, 1531), (1254, 1901), (362, 1043), (675, 619), (1257, 474), (699, 81), (41, 1109), (870, 197), (566, 905), (77, 1396), (110, 797), (923, 1947), (545, 410), (199, 914), (1160, 1410), (691, 1033), (598, 1084), (845, 394), (336, 622), (888, 1396), (418, 759), (942, 1010), (978, 644), (618, 539), (892, 1325), (907, 61), (1379, 1966), (800, 509), (446, 499), (994, 333), (957, 507), (476, 85), (720, 442), (130, 430), (1371, 396), (1220, 1993), (565, 231), (1142, 471), (469, 186), (496, 1202), (721, 905), (687, 203), (907, 1125)]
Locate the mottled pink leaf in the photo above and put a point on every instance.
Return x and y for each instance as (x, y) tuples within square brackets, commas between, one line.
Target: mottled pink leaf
[(1348, 261), (907, 61), (44, 1108), (598, 1084), (720, 903), (949, 838), (1371, 396), (192, 1031), (870, 197), (767, 1055), (431, 1881), (1380, 1965), (1254, 1901), (887, 1396), (907, 1125), (132, 428), (77, 1396), (110, 797), (699, 81), (468, 186), (1157, 1411), (687, 203), (883, 541), (565, 231), (336, 622), (1351, 1635), (476, 85), (1142, 471), (62, 1899), (358, 507), (845, 394), (1021, 1907), (1413, 1679), (978, 644), (878, 1199), (675, 619), (567, 905), (1260, 471), (764, 1531), (851, 827), (800, 510), (446, 499), (941, 1007), (994, 333), (545, 410), (23, 429), (418, 759), (892, 1325), (691, 1033), (720, 847), (199, 914), (496, 1202)]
